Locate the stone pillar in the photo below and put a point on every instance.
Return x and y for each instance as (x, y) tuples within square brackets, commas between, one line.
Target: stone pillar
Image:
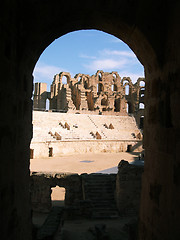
[(160, 208), (128, 188), (84, 105), (40, 96)]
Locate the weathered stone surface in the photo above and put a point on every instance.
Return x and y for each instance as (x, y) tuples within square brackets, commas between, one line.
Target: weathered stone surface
[(68, 133), (151, 29), (102, 92), (128, 188), (41, 184)]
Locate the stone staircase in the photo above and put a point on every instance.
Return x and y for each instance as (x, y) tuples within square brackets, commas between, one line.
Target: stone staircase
[(103, 135), (52, 224), (99, 189)]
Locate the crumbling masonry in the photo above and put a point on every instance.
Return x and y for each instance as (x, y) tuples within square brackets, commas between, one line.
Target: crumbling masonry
[(102, 92)]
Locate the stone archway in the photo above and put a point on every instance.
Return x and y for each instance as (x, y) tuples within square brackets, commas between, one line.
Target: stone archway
[(151, 30)]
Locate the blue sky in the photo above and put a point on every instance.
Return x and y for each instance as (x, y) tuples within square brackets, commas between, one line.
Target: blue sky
[(87, 51)]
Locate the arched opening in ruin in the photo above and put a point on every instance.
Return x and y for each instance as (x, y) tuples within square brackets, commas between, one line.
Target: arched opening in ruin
[(99, 76), (127, 89), (129, 107), (75, 97), (141, 93), (114, 87), (86, 83), (100, 88), (47, 104), (117, 104), (58, 196), (142, 83), (97, 87), (64, 79), (141, 125), (59, 132), (141, 106)]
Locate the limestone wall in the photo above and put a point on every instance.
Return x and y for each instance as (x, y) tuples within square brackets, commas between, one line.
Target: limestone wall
[(102, 92), (41, 184), (66, 133), (128, 187), (41, 149), (123, 189)]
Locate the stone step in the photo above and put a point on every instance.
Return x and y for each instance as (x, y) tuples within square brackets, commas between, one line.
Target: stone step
[(99, 189), (51, 224), (99, 193), (105, 214), (108, 205), (98, 185)]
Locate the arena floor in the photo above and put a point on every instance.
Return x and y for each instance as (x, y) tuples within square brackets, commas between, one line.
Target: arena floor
[(83, 163)]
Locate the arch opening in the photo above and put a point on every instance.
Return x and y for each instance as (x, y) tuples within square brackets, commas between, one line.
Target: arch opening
[(127, 90), (141, 106), (78, 89), (100, 88), (47, 104)]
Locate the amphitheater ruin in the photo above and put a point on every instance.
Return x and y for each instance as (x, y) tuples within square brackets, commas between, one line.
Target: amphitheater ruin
[(102, 111), (95, 115)]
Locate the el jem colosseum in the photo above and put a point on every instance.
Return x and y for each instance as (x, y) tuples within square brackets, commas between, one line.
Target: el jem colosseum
[(98, 120), (151, 29), (98, 113)]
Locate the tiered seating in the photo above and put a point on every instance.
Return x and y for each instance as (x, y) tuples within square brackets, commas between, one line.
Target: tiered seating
[(66, 126)]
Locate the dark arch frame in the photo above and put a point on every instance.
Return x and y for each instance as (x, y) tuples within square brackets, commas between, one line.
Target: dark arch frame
[(56, 27), (151, 30)]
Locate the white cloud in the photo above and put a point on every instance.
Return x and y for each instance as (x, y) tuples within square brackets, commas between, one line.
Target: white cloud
[(134, 76), (124, 62), (118, 53), (105, 64), (43, 72), (82, 55)]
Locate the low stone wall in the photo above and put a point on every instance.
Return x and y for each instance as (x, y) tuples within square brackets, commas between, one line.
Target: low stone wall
[(41, 184), (128, 187), (41, 149)]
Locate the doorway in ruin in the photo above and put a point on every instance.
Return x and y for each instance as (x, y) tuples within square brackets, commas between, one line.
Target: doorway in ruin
[(31, 153), (50, 152), (141, 125), (117, 104), (128, 107), (129, 148), (58, 196)]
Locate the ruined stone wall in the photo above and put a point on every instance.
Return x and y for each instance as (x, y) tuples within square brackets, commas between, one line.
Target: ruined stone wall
[(40, 96), (101, 92), (41, 184), (81, 190), (128, 187), (59, 148)]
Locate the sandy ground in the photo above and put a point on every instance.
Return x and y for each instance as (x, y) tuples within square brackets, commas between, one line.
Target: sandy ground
[(82, 163)]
